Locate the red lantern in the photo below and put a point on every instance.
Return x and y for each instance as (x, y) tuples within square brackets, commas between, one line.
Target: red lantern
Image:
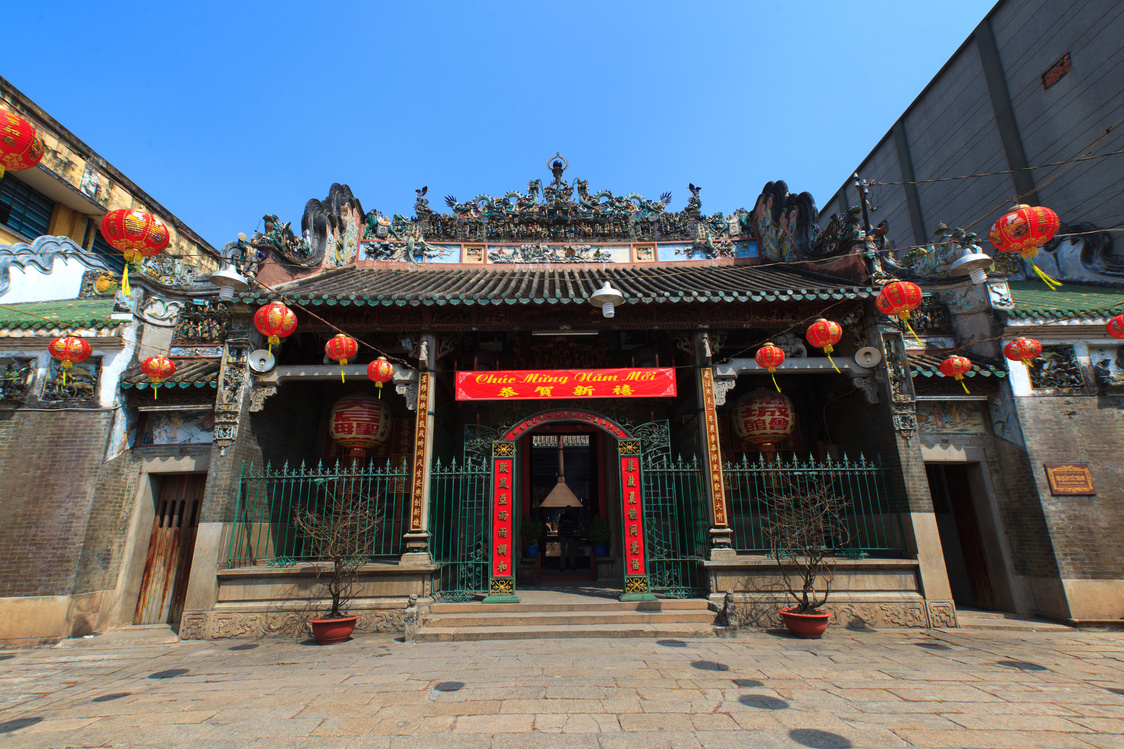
[(824, 334), (359, 421), (957, 367), (898, 299), (770, 357), (275, 321), (20, 144), (1024, 230), (1022, 349), (380, 371), (136, 234), (158, 369), (69, 350), (763, 417), (341, 348), (1116, 327)]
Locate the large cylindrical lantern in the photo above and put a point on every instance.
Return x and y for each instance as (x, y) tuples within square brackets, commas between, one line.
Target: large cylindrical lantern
[(136, 234), (69, 350), (341, 348), (956, 367), (1022, 349), (824, 334), (275, 321), (380, 371), (359, 421), (158, 369), (763, 417), (1024, 230), (20, 144)]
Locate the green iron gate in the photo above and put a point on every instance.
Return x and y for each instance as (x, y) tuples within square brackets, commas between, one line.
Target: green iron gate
[(674, 515), (459, 522)]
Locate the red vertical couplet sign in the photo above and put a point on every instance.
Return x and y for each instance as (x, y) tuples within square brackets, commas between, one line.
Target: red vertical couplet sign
[(421, 430), (713, 449), (503, 525), (633, 516)]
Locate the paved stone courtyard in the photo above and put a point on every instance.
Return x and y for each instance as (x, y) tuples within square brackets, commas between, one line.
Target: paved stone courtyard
[(966, 688)]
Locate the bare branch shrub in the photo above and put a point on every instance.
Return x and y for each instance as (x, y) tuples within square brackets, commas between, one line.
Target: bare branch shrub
[(340, 531), (805, 526)]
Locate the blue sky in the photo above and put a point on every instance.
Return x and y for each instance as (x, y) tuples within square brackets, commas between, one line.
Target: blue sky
[(226, 111)]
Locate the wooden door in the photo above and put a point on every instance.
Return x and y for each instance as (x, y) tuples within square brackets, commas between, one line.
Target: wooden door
[(953, 489), (170, 546)]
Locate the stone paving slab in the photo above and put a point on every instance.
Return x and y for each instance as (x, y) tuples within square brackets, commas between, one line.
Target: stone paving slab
[(980, 688)]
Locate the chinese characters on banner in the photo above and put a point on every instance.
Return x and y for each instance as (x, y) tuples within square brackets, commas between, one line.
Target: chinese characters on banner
[(718, 493), (633, 516), (533, 384), (420, 430), (503, 525)]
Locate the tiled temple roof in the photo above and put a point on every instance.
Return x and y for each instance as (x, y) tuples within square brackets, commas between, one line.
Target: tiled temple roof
[(189, 373), (48, 316), (658, 284), (1034, 300), (929, 365)]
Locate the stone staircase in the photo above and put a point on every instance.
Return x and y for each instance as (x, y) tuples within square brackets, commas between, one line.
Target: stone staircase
[(997, 620), (541, 617)]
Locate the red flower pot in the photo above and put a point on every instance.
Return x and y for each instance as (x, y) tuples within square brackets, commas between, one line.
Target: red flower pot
[(331, 631), (808, 626)]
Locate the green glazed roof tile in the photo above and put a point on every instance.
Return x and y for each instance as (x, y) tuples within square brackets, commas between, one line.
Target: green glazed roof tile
[(71, 313), (1034, 299)]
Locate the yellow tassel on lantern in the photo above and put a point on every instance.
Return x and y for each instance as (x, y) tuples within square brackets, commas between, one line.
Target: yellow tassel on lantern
[(1051, 283), (963, 385), (910, 328), (831, 360), (125, 289)]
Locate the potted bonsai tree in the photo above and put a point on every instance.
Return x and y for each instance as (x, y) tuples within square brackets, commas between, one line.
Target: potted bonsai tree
[(599, 536), (805, 528), (339, 530), (530, 530)]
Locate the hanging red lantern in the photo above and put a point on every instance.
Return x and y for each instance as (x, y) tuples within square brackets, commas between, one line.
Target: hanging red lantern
[(770, 356), (898, 299), (158, 369), (1116, 327), (824, 334), (380, 371), (763, 417), (136, 234), (21, 147), (359, 421), (1022, 349), (69, 350), (957, 367), (1024, 230), (275, 321), (341, 348)]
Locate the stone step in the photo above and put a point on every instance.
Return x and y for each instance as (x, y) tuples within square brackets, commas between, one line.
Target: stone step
[(659, 631), (1007, 622), (663, 604), (549, 619)]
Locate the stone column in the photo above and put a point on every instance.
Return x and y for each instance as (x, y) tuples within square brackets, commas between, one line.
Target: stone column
[(417, 538), (714, 493)]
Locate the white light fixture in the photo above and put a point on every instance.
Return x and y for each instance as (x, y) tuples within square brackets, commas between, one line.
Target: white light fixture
[(607, 298), (229, 281), (971, 264)]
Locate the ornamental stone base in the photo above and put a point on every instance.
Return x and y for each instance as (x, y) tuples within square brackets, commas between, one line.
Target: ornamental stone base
[(256, 622), (748, 611)]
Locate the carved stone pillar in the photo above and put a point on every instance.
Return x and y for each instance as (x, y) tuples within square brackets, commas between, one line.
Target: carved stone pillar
[(715, 494), (417, 538)]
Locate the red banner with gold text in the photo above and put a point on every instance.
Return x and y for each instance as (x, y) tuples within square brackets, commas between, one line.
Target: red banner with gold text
[(547, 384)]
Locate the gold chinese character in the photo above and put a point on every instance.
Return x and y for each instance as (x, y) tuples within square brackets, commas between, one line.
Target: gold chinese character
[(622, 390), (635, 565), (632, 498), (631, 513), (507, 392), (631, 464), (503, 482), (544, 390), (503, 533), (631, 480), (502, 566), (503, 499), (632, 529), (504, 468), (583, 390), (503, 516), (634, 547), (502, 550)]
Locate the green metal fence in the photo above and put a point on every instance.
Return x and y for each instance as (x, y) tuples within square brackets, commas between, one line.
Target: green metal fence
[(459, 515), (271, 500), (873, 517), (675, 527)]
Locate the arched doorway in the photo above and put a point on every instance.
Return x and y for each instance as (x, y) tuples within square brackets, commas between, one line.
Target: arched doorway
[(505, 500)]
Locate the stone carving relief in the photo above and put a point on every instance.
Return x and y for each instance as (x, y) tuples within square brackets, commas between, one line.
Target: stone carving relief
[(721, 388), (258, 396), (942, 614)]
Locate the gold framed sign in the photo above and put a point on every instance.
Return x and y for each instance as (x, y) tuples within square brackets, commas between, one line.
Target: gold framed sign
[(1070, 479)]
